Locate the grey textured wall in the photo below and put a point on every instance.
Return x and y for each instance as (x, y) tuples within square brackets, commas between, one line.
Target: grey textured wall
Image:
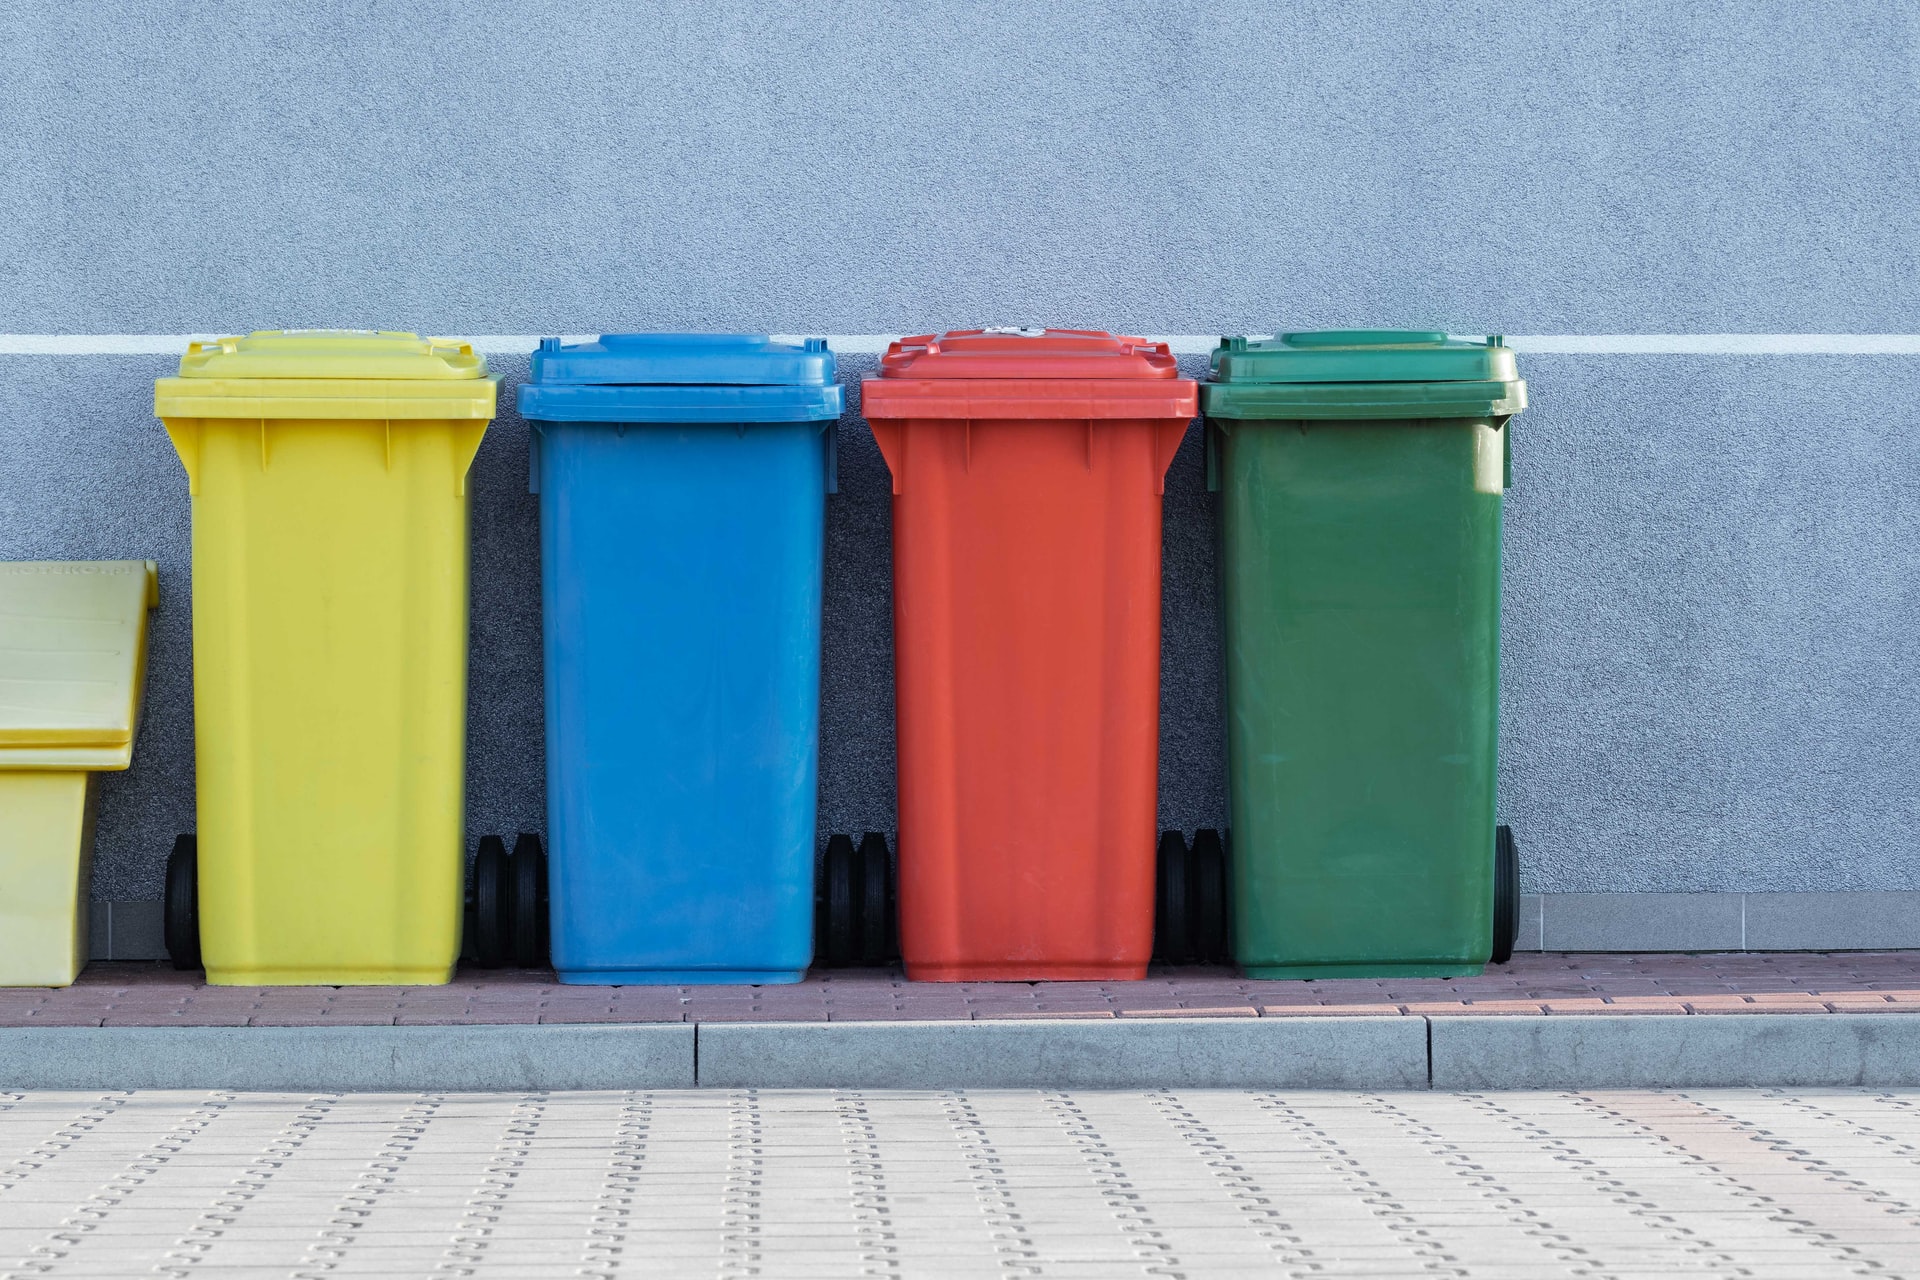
[(1178, 166), (1712, 624), (1712, 594)]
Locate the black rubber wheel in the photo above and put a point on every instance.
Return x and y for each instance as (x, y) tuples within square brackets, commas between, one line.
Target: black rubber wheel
[(527, 901), (180, 920), (1207, 897), (836, 945), (491, 943), (876, 901), (1506, 895), (1171, 937)]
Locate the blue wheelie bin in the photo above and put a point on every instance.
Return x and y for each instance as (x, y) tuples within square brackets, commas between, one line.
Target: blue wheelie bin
[(682, 482)]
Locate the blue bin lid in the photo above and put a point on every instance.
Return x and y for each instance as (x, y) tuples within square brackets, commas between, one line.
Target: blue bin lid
[(681, 377)]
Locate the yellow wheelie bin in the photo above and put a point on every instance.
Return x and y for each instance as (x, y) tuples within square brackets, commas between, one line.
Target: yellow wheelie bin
[(329, 480), (73, 658)]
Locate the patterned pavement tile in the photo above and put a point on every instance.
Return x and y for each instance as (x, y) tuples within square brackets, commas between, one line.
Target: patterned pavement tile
[(1716, 1183)]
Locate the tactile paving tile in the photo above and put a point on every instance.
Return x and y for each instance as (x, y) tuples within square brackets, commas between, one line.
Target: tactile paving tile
[(1711, 1183)]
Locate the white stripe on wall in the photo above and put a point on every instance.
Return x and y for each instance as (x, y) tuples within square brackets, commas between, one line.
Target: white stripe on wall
[(1723, 344), (1712, 344)]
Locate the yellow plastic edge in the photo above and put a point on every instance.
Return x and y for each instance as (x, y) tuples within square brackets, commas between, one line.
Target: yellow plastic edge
[(87, 748), (46, 865), (323, 398)]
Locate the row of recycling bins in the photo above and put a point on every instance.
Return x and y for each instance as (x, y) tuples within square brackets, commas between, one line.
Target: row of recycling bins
[(682, 480)]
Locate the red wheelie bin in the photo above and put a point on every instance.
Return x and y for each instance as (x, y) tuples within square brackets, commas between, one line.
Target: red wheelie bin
[(1027, 477)]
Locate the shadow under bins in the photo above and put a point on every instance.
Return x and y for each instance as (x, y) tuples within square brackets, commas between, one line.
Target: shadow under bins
[(506, 921), (856, 903)]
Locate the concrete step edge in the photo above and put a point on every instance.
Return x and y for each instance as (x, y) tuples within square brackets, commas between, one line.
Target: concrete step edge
[(1455, 1053)]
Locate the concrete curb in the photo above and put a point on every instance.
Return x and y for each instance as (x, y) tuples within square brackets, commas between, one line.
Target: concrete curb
[(1675, 1051), (1189, 1053), (1393, 1052), (350, 1059)]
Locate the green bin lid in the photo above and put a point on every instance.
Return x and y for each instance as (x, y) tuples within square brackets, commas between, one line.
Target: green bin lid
[(1362, 373)]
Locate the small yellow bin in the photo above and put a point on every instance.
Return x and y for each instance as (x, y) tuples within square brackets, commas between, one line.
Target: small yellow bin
[(73, 658), (328, 473)]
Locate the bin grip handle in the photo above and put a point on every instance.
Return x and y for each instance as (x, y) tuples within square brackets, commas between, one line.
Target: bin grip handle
[(890, 435), (1167, 438)]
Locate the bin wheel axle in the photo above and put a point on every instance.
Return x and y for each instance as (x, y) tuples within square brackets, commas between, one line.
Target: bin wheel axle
[(527, 901), (180, 918), (488, 910), (856, 904), (1190, 900), (507, 918)]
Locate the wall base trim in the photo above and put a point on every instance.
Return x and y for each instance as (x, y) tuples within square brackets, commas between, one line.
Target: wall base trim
[(1877, 920)]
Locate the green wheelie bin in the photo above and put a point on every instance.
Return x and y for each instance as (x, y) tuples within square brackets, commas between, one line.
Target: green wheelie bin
[(1361, 475)]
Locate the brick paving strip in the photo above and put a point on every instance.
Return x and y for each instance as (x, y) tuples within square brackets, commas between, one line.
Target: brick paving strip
[(1538, 985)]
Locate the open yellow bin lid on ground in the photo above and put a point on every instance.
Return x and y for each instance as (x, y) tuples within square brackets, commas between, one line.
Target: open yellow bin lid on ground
[(329, 374), (73, 659)]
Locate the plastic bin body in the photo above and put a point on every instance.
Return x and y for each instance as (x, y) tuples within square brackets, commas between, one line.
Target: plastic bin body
[(46, 869), (1361, 589), (681, 529), (328, 474), (73, 658), (1027, 474)]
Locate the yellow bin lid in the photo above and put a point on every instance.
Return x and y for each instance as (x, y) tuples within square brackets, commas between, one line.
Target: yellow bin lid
[(328, 373), (73, 644)]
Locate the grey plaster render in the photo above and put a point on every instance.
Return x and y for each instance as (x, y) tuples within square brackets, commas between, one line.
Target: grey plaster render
[(860, 166), (1678, 1051), (1712, 625), (349, 1059), (1300, 1053)]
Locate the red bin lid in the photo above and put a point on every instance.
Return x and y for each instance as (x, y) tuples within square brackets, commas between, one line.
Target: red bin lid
[(1028, 373), (1028, 353)]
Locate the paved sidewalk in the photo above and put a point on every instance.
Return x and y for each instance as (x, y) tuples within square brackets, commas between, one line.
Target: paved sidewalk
[(1535, 984), (1771, 1185)]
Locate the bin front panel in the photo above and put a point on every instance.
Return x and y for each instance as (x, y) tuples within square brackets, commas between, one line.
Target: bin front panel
[(330, 655), (1027, 655), (1361, 566), (682, 586)]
